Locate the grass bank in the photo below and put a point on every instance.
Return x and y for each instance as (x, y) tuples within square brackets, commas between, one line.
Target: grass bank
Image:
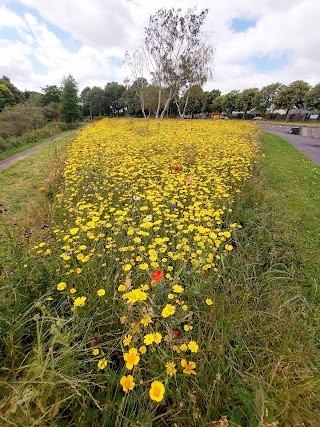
[(17, 145), (258, 353)]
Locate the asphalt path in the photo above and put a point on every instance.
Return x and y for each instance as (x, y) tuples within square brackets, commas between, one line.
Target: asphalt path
[(10, 160), (310, 147)]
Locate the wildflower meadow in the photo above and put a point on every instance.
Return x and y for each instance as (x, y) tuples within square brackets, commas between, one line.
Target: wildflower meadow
[(120, 288)]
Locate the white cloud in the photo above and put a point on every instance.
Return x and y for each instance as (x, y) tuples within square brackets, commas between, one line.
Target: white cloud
[(106, 29)]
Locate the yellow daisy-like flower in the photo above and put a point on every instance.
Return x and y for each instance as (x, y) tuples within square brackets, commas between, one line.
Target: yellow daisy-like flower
[(171, 368), (121, 288), (157, 391), (144, 287), (183, 347), (209, 301), (102, 364), (143, 349), (74, 231), (193, 347), (127, 383), (131, 358), (178, 289), (80, 301), (145, 321), (73, 291), (188, 367), (127, 267), (61, 286), (171, 296), (101, 292), (187, 328), (95, 351), (148, 339), (157, 338), (168, 310), (127, 340)]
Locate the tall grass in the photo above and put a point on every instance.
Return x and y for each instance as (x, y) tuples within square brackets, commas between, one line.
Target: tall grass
[(257, 362)]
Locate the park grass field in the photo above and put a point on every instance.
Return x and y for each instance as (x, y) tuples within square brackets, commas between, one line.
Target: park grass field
[(231, 336)]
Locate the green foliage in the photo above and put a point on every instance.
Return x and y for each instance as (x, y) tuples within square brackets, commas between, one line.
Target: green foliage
[(293, 95), (6, 97), (313, 98), (18, 95), (245, 100), (264, 98), (20, 119), (69, 107), (51, 94)]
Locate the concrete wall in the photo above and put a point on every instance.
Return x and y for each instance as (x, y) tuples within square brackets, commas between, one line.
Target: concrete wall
[(309, 131)]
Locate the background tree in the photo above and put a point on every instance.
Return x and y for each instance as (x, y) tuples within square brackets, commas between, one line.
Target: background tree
[(97, 101), (50, 94), (245, 100), (134, 97), (18, 95), (218, 104), (137, 63), (264, 98), (209, 100), (6, 97), (176, 54), (85, 102), (313, 98), (69, 106), (293, 95), (33, 98), (230, 101), (113, 98)]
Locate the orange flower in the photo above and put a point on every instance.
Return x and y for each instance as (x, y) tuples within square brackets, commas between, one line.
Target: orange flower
[(157, 276), (42, 188)]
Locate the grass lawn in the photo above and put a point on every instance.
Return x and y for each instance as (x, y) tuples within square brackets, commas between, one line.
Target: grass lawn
[(261, 352)]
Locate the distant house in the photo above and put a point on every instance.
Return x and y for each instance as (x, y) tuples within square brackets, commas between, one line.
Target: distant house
[(298, 114)]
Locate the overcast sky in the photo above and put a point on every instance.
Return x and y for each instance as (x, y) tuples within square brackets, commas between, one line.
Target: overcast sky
[(256, 42)]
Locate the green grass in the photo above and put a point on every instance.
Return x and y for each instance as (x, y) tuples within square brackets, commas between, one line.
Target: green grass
[(15, 150), (259, 347), (21, 181)]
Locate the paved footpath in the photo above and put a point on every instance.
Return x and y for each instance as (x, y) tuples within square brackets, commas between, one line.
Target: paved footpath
[(10, 160), (310, 147)]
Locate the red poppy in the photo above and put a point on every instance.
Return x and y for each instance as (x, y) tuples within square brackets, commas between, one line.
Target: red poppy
[(230, 157), (177, 168), (157, 276), (174, 333)]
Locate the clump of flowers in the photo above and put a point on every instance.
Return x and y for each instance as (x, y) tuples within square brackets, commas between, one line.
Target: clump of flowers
[(138, 210)]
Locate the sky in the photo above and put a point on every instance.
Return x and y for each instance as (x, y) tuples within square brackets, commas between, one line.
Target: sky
[(256, 42)]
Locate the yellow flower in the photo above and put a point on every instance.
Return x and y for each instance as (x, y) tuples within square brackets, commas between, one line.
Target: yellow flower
[(178, 289), (171, 368), (148, 339), (61, 286), (170, 296), (80, 301), (209, 301), (157, 338), (74, 231), (168, 310), (95, 351), (193, 347), (73, 291), (102, 364), (135, 295), (145, 321), (101, 292), (127, 383), (183, 347), (188, 367), (127, 267), (127, 340), (144, 287), (121, 288), (123, 320), (143, 349), (131, 358), (157, 391), (187, 328), (185, 307)]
